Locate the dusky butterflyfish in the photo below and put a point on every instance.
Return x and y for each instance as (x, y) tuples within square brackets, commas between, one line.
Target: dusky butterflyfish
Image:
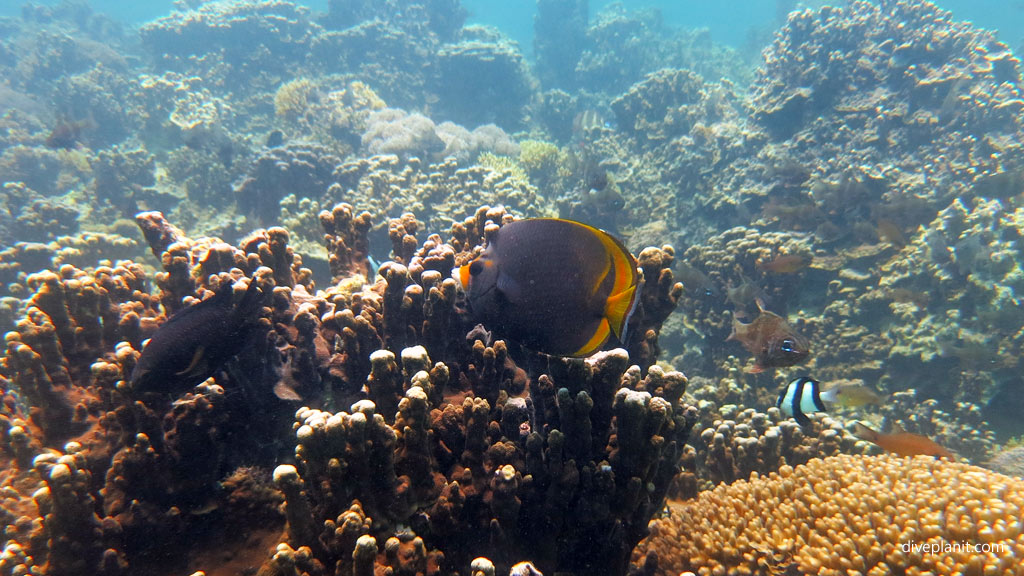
[(555, 286), (196, 342)]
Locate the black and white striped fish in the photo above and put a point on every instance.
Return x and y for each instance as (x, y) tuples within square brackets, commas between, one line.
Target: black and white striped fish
[(801, 397)]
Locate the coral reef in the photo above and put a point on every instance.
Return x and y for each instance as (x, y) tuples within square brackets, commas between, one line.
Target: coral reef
[(255, 40), (482, 80), (871, 514), (436, 193), (297, 168), (450, 449)]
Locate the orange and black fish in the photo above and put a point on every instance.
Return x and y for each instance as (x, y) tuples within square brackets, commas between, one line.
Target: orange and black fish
[(784, 264), (197, 341), (771, 340), (901, 443), (556, 286)]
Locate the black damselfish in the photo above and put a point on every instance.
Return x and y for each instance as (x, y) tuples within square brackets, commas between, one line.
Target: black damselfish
[(196, 342), (555, 286)]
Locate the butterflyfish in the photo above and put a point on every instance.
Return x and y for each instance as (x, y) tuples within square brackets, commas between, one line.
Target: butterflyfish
[(555, 286)]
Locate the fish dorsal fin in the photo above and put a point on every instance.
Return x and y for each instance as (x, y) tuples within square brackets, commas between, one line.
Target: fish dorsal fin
[(863, 432), (896, 428), (222, 297)]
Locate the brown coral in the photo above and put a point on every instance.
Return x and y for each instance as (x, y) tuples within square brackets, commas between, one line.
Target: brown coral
[(848, 514)]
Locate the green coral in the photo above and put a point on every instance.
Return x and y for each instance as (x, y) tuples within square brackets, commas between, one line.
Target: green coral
[(504, 165), (545, 162), (294, 98)]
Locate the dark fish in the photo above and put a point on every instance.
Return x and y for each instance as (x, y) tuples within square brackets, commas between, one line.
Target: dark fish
[(695, 281), (596, 199), (801, 397), (595, 177), (743, 295), (771, 340), (275, 139), (196, 342), (556, 286), (784, 263), (901, 443), (67, 134)]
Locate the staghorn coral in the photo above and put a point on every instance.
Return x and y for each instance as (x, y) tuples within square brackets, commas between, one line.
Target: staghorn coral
[(868, 513)]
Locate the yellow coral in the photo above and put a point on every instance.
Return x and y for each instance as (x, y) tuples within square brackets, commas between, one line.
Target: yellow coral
[(543, 161), (359, 96), (503, 164), (292, 99), (847, 514)]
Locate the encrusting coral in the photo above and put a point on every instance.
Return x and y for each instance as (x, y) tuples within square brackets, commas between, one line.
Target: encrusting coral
[(870, 515)]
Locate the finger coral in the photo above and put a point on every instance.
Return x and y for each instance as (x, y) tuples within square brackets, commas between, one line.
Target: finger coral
[(846, 514)]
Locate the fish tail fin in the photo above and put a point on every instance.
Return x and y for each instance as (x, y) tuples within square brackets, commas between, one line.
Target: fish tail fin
[(759, 300), (249, 305), (619, 308), (830, 396), (864, 432)]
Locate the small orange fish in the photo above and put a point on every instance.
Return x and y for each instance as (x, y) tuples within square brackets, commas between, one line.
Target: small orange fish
[(901, 443), (771, 340), (784, 264)]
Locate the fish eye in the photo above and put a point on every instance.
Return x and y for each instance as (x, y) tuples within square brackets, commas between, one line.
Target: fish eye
[(476, 267), (787, 345)]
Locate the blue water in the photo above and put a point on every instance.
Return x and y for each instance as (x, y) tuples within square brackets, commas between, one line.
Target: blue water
[(729, 22)]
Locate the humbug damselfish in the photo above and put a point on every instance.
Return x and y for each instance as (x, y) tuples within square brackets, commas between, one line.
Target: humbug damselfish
[(801, 397), (555, 286)]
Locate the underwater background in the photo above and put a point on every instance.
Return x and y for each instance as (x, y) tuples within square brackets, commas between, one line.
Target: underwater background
[(822, 373)]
